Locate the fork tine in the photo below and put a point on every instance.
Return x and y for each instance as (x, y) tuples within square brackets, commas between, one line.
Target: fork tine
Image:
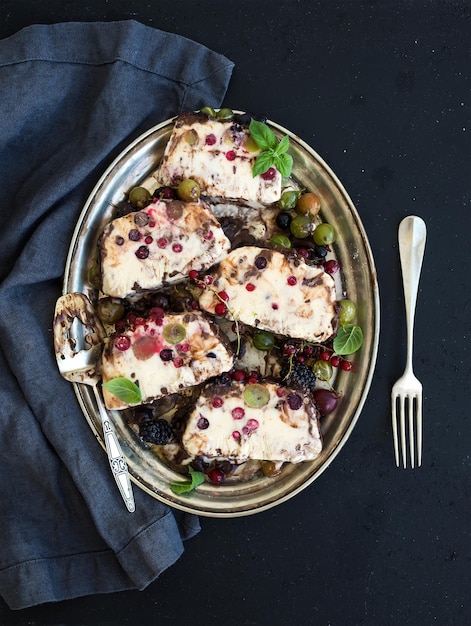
[(410, 408), (394, 428), (402, 424), (419, 429)]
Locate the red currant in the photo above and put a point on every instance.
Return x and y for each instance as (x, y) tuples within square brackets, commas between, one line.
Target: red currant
[(238, 413), (331, 267), (269, 174), (216, 476), (220, 309), (238, 375), (289, 349), (122, 342), (193, 274)]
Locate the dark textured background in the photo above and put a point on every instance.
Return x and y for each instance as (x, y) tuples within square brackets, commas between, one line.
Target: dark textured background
[(380, 90)]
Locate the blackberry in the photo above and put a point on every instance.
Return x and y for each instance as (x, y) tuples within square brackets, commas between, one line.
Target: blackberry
[(299, 375), (158, 432)]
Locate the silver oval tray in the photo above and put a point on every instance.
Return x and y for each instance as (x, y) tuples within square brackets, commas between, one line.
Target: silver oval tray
[(358, 281)]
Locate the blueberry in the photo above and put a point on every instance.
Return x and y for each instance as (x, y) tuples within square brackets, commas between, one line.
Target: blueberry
[(245, 118), (283, 220), (261, 262), (320, 251)]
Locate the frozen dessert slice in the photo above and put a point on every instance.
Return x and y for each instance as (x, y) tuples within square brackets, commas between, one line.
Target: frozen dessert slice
[(268, 290), (163, 354), (159, 245), (262, 421), (219, 156)]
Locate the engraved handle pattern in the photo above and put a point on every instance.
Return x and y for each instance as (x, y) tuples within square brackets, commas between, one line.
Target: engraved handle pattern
[(118, 465)]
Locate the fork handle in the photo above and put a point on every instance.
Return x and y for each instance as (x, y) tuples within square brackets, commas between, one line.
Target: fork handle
[(412, 235)]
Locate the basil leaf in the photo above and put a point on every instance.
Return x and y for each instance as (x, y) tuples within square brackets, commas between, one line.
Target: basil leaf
[(263, 136), (283, 145), (124, 389), (284, 164), (185, 486), (349, 339), (262, 163)]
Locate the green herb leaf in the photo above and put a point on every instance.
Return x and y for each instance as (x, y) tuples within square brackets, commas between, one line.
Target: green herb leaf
[(273, 152), (283, 145), (124, 389), (185, 486), (262, 163), (263, 136), (349, 339), (284, 164)]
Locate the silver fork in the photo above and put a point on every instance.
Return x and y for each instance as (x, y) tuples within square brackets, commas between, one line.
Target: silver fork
[(406, 395)]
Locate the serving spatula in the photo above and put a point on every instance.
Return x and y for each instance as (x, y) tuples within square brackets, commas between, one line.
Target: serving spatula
[(78, 336)]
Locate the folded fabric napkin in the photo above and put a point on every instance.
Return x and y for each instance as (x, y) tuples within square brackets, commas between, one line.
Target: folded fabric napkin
[(73, 96)]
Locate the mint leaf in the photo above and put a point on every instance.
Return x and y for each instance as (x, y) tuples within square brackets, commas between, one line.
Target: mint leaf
[(185, 486), (283, 145), (263, 136), (262, 163), (273, 152), (124, 389), (284, 164), (349, 339)]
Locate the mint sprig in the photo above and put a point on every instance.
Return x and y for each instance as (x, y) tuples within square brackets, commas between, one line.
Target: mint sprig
[(349, 339), (124, 389), (274, 152), (185, 486)]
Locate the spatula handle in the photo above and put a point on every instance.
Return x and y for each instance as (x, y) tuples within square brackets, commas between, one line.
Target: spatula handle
[(116, 459)]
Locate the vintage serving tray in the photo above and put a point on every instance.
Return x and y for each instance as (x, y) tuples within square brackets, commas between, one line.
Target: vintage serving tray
[(358, 280)]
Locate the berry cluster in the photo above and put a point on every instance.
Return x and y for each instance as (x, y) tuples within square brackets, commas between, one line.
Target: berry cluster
[(298, 375), (158, 432), (335, 360)]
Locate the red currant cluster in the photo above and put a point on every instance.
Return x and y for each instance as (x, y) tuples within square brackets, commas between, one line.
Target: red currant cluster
[(306, 352), (244, 376), (220, 308), (302, 352), (335, 360)]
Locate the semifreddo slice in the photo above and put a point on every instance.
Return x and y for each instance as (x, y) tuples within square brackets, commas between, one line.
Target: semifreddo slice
[(271, 291), (159, 245), (263, 421), (219, 155), (163, 354)]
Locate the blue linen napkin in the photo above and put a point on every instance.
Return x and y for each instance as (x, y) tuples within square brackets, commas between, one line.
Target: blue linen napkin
[(73, 96)]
